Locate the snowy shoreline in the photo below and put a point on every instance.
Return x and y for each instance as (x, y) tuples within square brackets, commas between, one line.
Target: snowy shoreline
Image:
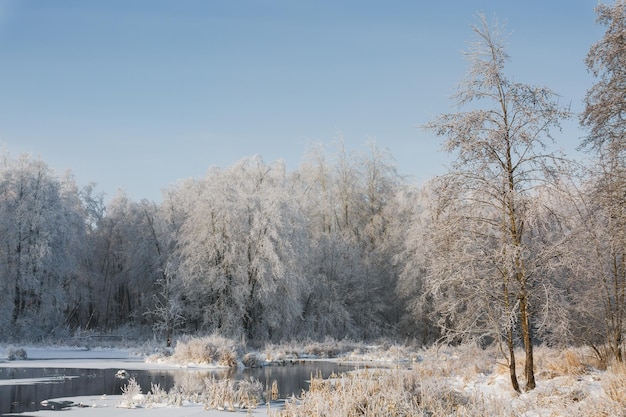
[(101, 406), (99, 358), (465, 378), (108, 405)]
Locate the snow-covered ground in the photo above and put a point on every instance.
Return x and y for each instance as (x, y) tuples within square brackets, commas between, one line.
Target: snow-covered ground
[(108, 406), (464, 381), (96, 358)]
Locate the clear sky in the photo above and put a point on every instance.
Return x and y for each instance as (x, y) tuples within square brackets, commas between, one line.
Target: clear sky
[(138, 94)]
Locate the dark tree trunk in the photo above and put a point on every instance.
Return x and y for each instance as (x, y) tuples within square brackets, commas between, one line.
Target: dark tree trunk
[(529, 367)]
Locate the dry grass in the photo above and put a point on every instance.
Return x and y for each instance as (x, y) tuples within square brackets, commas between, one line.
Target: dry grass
[(213, 350), (438, 381), (469, 381), (551, 363), (327, 349), (213, 393), (157, 395), (393, 393), (227, 394), (358, 394), (614, 382), (345, 350)]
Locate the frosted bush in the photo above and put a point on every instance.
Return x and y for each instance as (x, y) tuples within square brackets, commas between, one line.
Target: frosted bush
[(157, 395), (226, 394), (330, 348), (131, 395), (366, 393), (189, 385), (248, 393), (215, 350), (252, 360), (16, 354)]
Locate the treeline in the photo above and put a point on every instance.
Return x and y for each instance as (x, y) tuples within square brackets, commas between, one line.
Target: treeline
[(252, 250), (338, 248), (515, 245)]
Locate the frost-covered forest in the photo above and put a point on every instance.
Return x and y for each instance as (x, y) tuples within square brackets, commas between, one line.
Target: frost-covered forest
[(251, 250), (515, 245)]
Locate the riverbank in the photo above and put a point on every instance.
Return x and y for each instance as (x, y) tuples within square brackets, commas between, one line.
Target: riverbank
[(186, 390), (108, 406), (437, 381)]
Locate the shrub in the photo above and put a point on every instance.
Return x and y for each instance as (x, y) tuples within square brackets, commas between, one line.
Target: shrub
[(189, 385), (249, 393), (156, 395), (131, 395), (16, 354), (215, 350), (329, 348), (226, 394), (252, 360)]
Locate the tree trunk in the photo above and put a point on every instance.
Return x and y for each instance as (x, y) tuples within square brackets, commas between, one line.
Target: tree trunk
[(529, 367), (509, 336), (512, 370)]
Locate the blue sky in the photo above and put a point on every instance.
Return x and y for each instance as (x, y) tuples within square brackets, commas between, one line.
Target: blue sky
[(140, 94)]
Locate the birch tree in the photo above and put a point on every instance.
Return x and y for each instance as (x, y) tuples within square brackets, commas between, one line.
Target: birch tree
[(595, 262), (331, 263), (604, 117), (484, 277), (414, 260), (167, 311), (350, 206), (83, 309), (40, 226), (240, 251), (128, 259)]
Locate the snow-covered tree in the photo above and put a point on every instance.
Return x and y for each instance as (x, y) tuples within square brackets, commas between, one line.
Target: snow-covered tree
[(414, 261), (331, 263), (240, 248), (486, 273), (597, 286), (129, 258), (41, 230), (83, 309), (604, 109), (604, 118), (167, 312), (349, 201)]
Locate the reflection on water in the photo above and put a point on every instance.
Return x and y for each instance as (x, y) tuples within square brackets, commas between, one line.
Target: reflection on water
[(21, 395)]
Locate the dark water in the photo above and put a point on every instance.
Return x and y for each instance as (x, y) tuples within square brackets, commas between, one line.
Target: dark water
[(23, 395)]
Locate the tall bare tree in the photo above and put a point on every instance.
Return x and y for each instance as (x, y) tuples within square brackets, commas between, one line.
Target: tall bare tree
[(501, 158), (604, 117)]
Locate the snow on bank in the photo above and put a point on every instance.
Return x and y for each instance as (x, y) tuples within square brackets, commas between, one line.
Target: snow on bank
[(32, 381), (447, 381), (108, 406), (75, 358), (103, 405), (97, 358)]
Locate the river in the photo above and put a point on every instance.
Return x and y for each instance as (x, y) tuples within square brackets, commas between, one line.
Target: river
[(23, 388)]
